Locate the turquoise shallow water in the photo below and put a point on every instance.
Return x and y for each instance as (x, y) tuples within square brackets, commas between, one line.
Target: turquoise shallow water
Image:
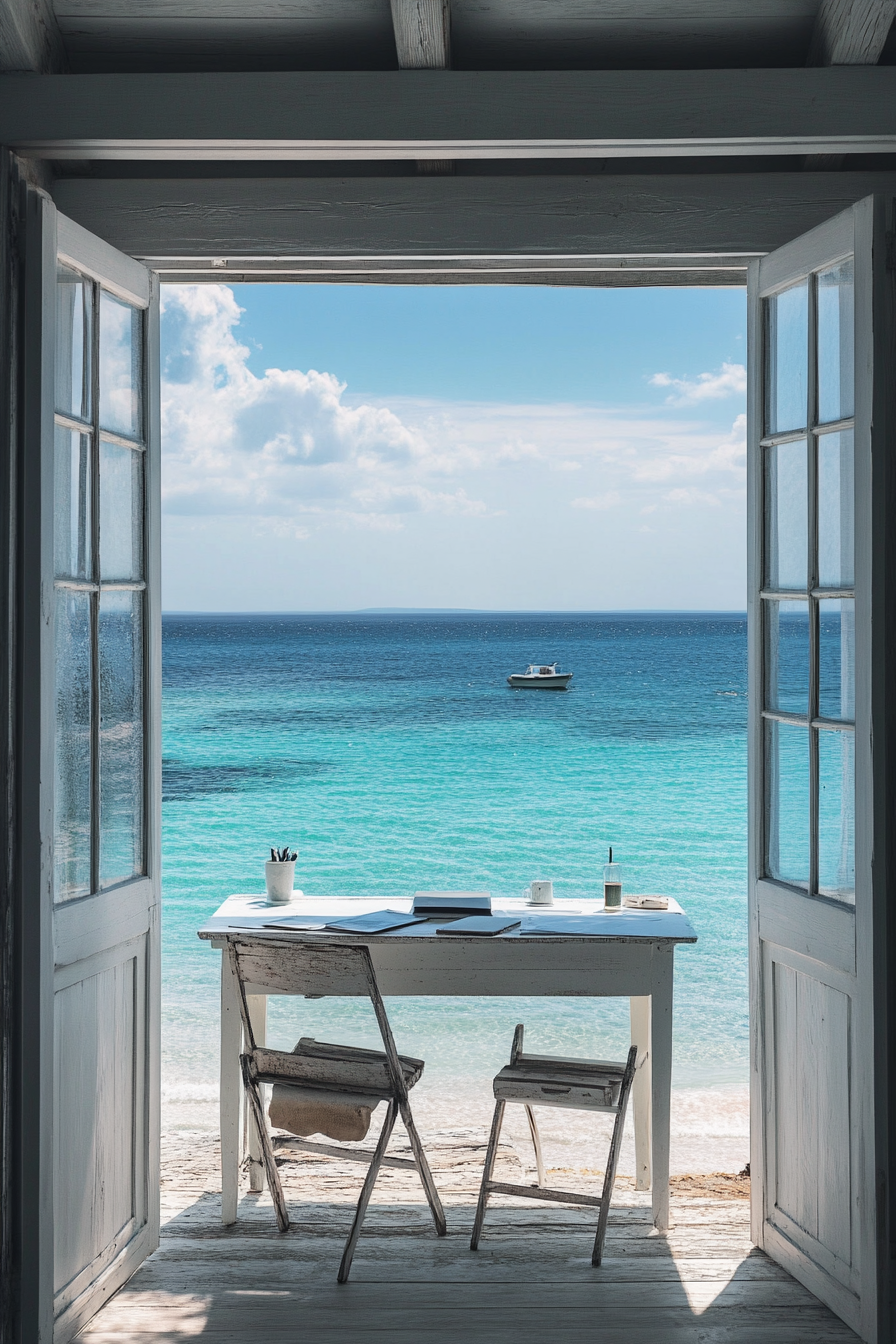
[(390, 751)]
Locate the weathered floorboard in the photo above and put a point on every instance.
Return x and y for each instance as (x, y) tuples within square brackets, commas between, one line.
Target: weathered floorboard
[(702, 1283)]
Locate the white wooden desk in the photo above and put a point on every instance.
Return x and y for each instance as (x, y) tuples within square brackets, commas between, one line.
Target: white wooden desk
[(634, 960)]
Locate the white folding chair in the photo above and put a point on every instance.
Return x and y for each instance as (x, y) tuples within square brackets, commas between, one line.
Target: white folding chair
[(575, 1084), (319, 1072)]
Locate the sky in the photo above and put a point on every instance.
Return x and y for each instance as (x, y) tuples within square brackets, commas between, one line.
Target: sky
[(489, 447)]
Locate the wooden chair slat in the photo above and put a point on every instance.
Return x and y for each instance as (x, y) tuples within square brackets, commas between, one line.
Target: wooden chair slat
[(375, 1094), (304, 968), (543, 1192), (576, 1098), (344, 1154), (325, 1050), (562, 1077), (342, 1075), (609, 1067)]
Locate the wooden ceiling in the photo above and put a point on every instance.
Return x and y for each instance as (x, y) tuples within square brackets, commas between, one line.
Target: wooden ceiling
[(266, 138), (184, 35)]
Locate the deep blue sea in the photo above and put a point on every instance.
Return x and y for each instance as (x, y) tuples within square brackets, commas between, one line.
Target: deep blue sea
[(390, 751)]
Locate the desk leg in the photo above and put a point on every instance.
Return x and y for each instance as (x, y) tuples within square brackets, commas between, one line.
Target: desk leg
[(258, 1015), (639, 1011), (661, 1085), (230, 1092)]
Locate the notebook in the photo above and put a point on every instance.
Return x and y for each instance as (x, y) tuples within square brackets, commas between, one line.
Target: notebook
[(485, 925), (452, 903), (378, 921)]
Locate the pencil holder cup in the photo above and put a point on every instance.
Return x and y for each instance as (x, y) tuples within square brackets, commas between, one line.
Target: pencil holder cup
[(278, 879)]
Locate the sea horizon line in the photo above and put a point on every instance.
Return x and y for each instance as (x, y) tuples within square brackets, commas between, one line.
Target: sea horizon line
[(472, 611)]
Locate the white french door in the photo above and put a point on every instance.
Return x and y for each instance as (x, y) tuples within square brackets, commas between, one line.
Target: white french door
[(99, 693), (820, 468)]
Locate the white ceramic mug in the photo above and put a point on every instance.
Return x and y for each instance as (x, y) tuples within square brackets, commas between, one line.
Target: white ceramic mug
[(278, 878), (540, 893)]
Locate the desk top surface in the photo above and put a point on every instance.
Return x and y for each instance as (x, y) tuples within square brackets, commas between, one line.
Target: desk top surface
[(242, 914)]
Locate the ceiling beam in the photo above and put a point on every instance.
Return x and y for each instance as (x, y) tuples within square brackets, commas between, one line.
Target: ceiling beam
[(30, 38), (851, 32), (423, 42), (585, 230), (422, 34), (450, 114), (847, 32)]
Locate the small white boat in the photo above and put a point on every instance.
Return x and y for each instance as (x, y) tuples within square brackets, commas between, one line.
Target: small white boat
[(541, 676)]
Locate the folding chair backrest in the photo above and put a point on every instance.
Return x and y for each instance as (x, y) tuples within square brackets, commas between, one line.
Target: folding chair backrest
[(304, 968), (311, 968)]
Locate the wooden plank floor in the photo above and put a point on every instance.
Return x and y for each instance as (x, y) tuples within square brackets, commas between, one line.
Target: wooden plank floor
[(531, 1282)]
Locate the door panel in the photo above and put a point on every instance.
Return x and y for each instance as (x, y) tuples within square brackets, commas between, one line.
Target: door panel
[(813, 1144), (819, 311), (102, 684), (100, 1055)]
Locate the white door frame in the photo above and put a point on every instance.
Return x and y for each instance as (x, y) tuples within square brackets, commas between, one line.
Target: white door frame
[(35, 1213)]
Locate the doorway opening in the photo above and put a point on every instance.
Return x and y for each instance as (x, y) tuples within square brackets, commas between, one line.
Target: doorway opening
[(807, 986), (379, 501)]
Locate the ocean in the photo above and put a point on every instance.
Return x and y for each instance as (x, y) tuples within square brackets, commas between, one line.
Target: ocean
[(390, 751)]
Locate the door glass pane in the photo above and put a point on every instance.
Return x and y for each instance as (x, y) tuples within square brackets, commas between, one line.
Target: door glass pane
[(787, 653), (836, 336), (121, 512), (787, 359), (788, 799), (72, 505), (121, 735), (120, 366), (837, 657), (836, 510), (74, 315), (73, 703), (787, 535), (837, 814)]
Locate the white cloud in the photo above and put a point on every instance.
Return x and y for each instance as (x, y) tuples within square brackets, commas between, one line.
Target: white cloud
[(608, 501), (284, 442), (383, 498), (684, 496), (510, 453), (728, 457), (728, 381), (299, 450)]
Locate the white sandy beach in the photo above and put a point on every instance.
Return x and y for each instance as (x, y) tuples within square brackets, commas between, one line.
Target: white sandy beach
[(710, 1126)]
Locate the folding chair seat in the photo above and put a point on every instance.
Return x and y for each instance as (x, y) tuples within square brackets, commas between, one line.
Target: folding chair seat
[(575, 1084), (319, 1079), (309, 1105)]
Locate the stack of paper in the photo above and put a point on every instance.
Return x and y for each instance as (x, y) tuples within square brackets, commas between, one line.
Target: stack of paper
[(598, 925)]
